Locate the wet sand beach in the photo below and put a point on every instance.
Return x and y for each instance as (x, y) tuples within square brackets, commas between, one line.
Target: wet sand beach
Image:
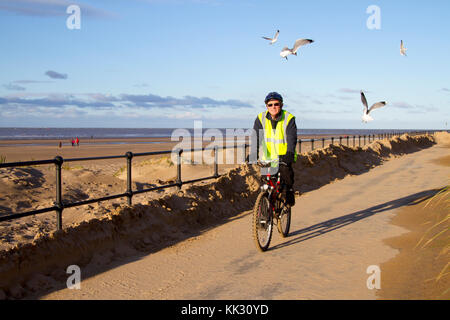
[(26, 150)]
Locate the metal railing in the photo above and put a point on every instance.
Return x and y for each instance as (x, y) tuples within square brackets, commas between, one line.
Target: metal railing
[(60, 205), (369, 138)]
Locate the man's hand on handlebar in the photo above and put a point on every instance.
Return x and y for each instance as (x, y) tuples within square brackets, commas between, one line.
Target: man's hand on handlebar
[(266, 164)]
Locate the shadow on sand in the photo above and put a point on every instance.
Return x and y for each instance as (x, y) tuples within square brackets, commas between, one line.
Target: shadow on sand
[(340, 222)]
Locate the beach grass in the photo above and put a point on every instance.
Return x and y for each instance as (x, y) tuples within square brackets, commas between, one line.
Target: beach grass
[(75, 167), (439, 233), (166, 161), (118, 172), (2, 158)]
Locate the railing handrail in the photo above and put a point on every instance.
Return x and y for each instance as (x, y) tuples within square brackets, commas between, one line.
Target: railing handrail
[(60, 205)]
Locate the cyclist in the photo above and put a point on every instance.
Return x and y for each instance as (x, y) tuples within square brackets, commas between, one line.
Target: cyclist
[(276, 133)]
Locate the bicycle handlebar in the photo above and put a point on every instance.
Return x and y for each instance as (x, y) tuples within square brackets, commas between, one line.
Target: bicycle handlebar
[(266, 164)]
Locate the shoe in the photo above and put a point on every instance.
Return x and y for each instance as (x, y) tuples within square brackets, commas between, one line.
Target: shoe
[(290, 198)]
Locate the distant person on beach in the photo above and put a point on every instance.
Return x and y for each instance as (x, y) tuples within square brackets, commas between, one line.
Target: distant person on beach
[(60, 144), (276, 131), (73, 142), (77, 141)]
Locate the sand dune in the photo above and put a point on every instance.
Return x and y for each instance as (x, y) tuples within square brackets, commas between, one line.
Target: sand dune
[(34, 256)]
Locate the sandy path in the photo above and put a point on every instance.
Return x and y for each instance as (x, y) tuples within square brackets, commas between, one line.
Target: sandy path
[(332, 243)]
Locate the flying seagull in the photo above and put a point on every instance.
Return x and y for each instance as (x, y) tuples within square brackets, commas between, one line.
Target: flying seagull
[(366, 118), (298, 43), (274, 39), (402, 49)]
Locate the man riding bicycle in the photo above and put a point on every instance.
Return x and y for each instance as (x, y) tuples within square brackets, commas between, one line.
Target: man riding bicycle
[(276, 133)]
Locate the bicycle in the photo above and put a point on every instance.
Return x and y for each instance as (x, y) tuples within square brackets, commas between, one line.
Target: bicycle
[(270, 206)]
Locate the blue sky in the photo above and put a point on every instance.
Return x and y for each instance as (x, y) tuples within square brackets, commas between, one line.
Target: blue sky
[(155, 63)]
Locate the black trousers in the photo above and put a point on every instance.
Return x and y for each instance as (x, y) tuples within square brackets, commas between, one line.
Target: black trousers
[(287, 175)]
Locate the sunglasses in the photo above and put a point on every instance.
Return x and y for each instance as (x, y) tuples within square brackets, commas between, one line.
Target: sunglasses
[(273, 104)]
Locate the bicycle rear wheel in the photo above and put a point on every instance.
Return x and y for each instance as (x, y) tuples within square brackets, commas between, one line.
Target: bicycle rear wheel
[(262, 222), (284, 221)]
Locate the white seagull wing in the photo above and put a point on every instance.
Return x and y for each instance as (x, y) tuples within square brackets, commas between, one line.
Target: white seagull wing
[(377, 105), (267, 38), (364, 101), (402, 48), (276, 35), (301, 42)]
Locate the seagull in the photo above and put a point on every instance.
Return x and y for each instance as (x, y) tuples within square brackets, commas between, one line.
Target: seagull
[(274, 39), (298, 43), (402, 49), (366, 118)]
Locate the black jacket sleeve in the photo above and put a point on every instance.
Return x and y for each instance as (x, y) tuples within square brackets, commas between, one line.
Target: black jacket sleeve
[(291, 137)]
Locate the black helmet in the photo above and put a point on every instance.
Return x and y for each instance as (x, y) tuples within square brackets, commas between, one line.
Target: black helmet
[(273, 96)]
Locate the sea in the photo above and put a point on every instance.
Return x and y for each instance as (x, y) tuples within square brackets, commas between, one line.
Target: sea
[(114, 133)]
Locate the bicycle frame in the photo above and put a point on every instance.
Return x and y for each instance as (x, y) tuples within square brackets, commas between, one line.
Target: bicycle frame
[(273, 189)]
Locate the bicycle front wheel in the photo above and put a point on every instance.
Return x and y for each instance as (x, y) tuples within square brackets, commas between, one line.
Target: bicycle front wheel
[(262, 222), (284, 221)]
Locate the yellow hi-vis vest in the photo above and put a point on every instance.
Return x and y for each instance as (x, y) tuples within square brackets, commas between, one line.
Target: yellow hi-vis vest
[(275, 141)]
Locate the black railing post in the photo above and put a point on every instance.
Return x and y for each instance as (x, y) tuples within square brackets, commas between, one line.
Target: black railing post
[(129, 156), (299, 146), (58, 203), (354, 138), (216, 162), (245, 152), (312, 144), (340, 140), (323, 142), (348, 143), (332, 140), (179, 182), (364, 139), (359, 140)]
